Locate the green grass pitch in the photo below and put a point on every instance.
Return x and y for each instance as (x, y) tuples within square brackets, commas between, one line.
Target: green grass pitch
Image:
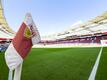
[(102, 69), (55, 64)]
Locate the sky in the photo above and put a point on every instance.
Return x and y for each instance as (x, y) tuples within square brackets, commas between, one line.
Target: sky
[(52, 16)]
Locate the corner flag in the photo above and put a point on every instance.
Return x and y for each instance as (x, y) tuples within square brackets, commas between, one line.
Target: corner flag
[(19, 48)]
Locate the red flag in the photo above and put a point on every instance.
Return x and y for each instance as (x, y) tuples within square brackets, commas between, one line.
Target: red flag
[(22, 42)]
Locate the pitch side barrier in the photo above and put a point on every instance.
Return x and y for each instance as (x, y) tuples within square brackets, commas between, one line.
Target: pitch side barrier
[(66, 45)]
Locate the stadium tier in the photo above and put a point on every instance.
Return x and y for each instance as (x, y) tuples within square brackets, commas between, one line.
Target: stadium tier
[(91, 31), (6, 33)]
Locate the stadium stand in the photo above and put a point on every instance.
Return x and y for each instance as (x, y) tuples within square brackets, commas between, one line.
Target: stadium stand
[(90, 32), (6, 33)]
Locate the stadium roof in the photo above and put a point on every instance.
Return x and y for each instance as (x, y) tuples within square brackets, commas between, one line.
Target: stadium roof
[(95, 25), (5, 30)]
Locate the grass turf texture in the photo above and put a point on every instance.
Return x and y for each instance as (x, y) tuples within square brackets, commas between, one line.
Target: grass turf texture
[(3, 68), (102, 69), (56, 64)]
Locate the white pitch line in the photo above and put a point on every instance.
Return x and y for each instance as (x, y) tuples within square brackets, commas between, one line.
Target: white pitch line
[(94, 70)]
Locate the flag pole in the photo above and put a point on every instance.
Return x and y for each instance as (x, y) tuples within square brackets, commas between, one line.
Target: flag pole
[(17, 74), (10, 75)]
